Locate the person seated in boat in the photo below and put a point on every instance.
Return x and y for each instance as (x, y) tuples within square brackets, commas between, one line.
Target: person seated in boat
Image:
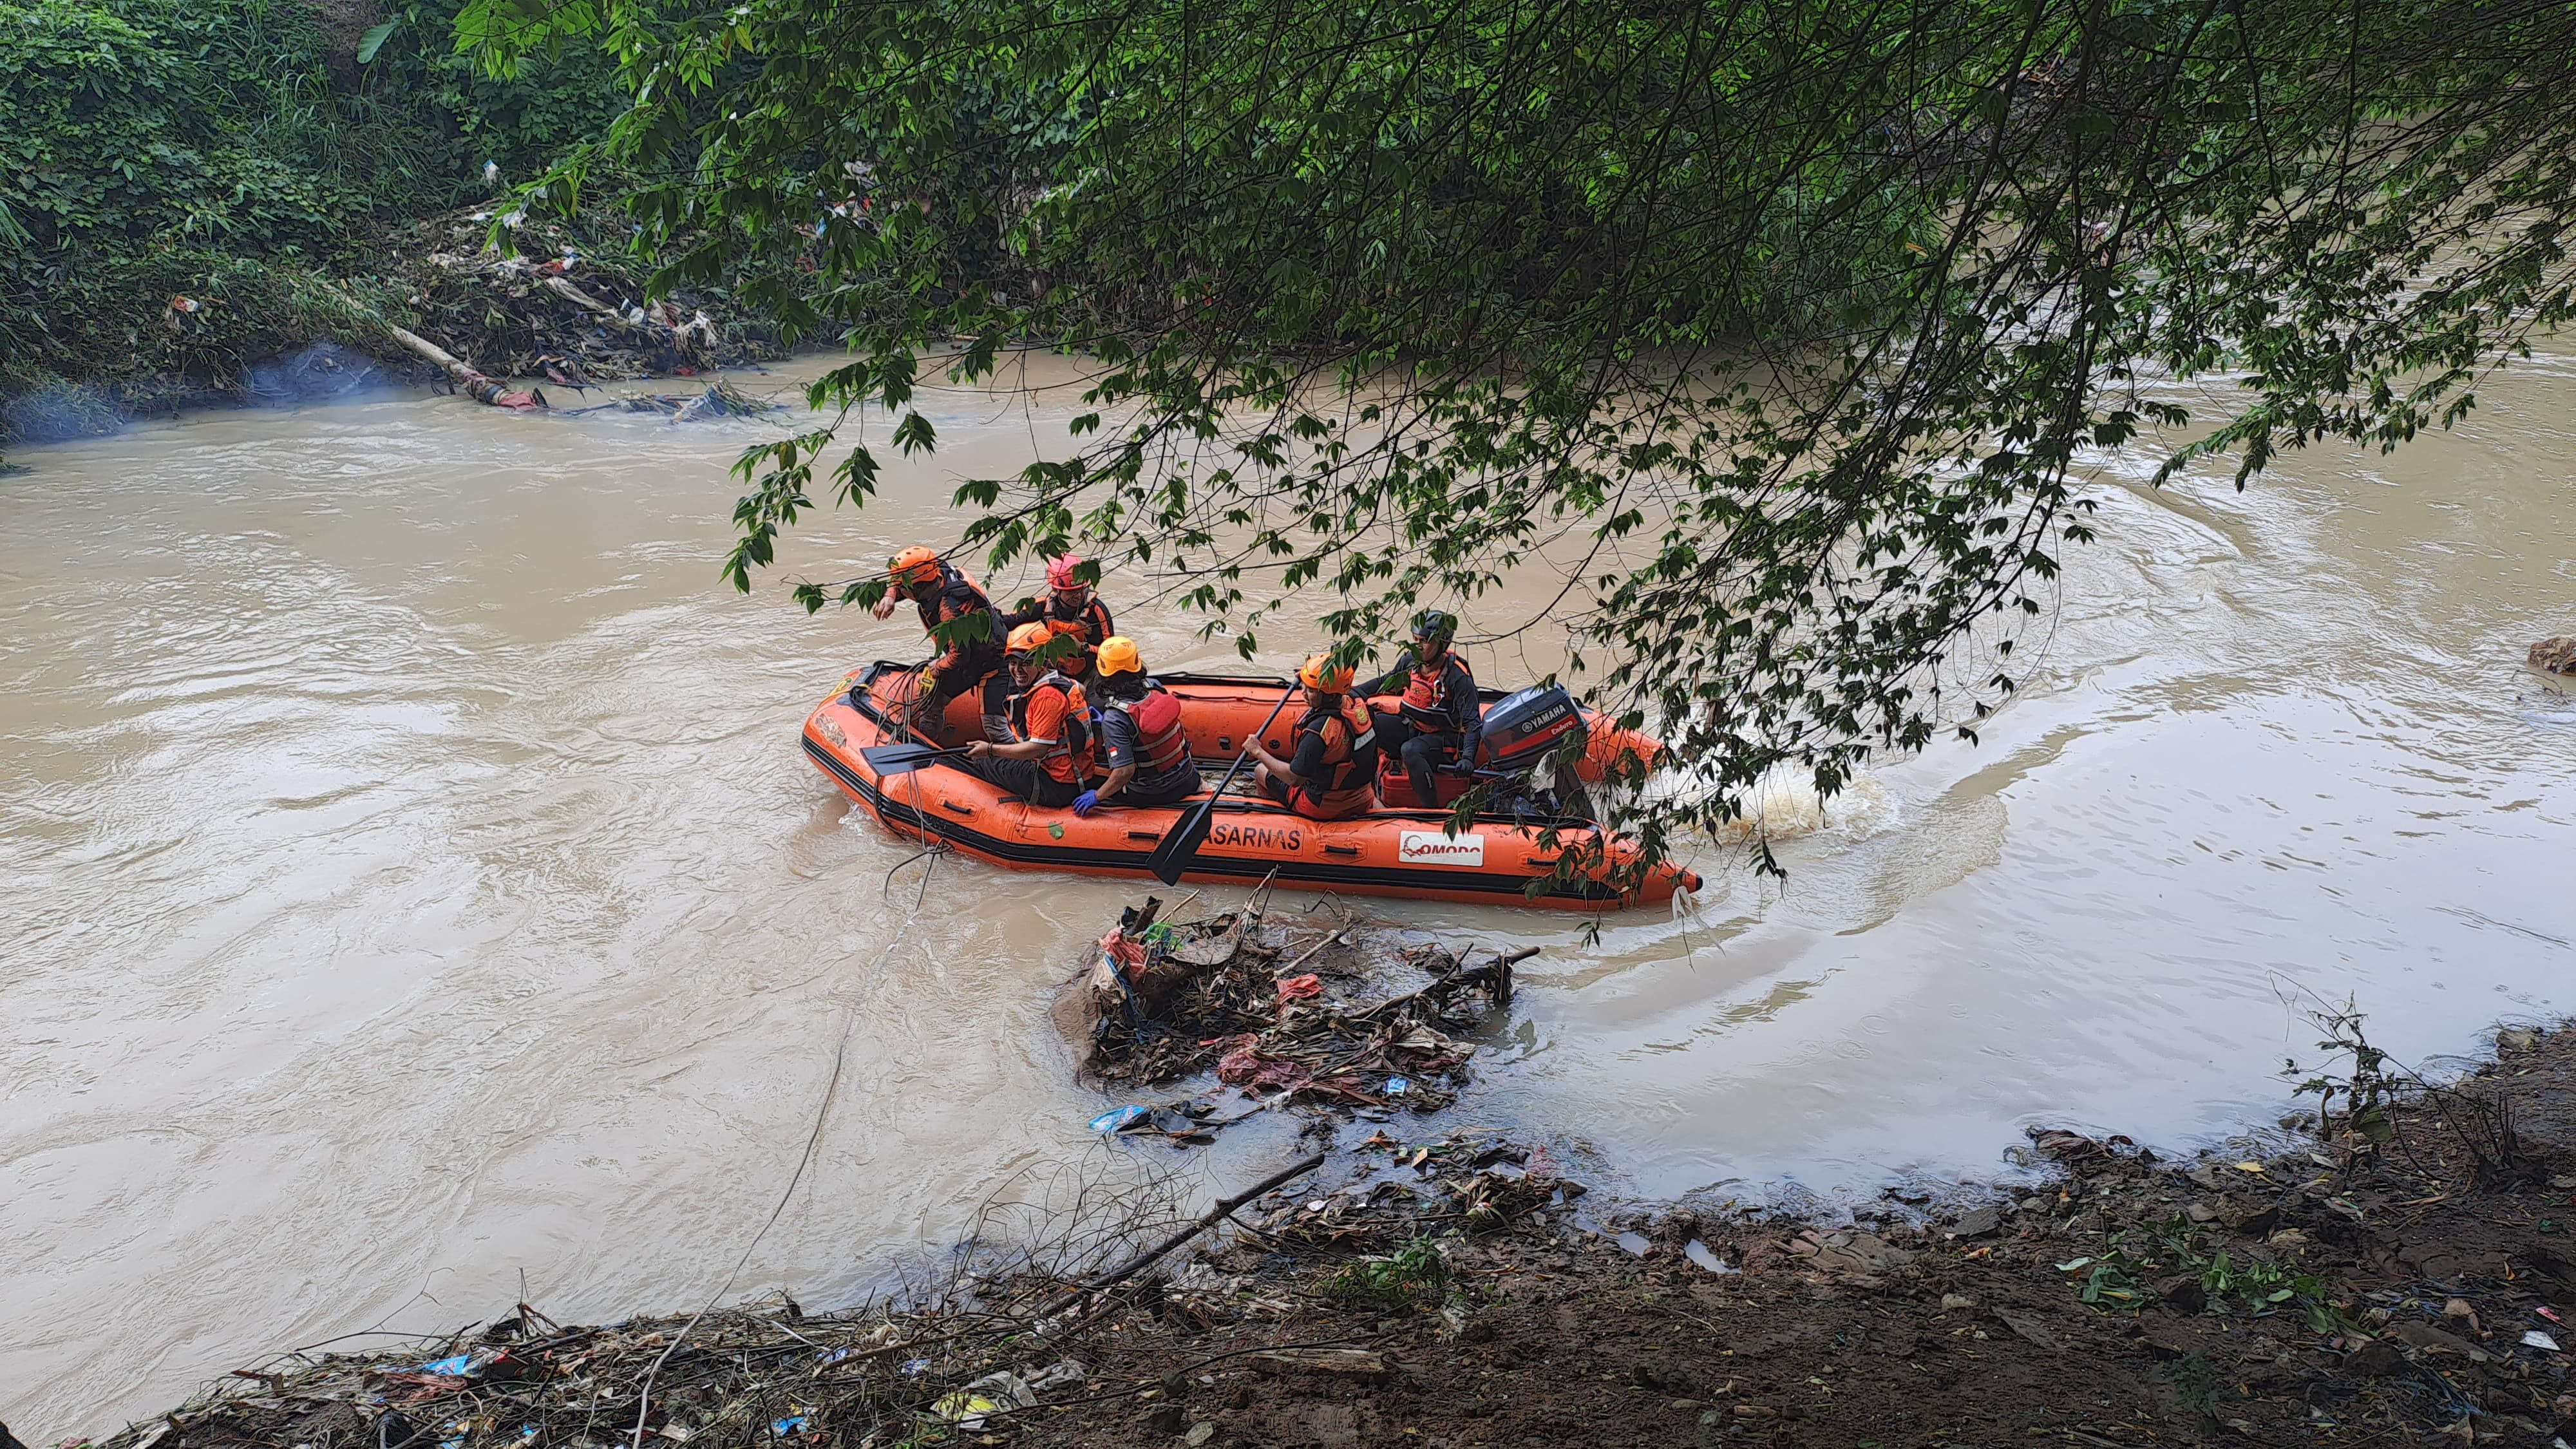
[(957, 615), (1141, 743), (1049, 753), (1334, 773), (1438, 717), (1073, 611)]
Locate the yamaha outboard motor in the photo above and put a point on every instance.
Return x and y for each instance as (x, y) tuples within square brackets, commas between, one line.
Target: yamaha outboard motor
[(1521, 730)]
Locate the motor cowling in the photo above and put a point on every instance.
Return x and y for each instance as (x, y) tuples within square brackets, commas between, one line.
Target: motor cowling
[(1523, 726)]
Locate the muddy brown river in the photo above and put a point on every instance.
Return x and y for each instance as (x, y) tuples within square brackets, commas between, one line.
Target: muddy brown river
[(414, 888)]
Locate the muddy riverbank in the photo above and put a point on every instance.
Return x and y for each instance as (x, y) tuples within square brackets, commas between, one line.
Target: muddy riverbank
[(2402, 1269)]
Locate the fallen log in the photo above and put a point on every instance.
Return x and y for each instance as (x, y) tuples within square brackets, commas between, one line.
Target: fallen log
[(475, 385)]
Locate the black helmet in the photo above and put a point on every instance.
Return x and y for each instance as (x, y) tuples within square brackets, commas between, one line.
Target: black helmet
[(1435, 627)]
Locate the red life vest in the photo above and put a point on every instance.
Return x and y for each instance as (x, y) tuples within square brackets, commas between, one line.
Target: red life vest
[(1161, 745)]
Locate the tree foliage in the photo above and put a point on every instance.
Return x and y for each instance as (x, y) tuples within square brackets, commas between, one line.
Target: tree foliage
[(232, 151), (1782, 331)]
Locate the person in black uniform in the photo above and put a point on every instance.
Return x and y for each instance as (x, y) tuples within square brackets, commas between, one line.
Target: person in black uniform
[(1141, 742), (1438, 718)]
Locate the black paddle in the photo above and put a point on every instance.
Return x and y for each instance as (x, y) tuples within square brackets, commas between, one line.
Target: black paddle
[(904, 759), (1181, 843)]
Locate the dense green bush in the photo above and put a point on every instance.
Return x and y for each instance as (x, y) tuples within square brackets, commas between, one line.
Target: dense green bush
[(234, 152), (131, 122), (520, 122)]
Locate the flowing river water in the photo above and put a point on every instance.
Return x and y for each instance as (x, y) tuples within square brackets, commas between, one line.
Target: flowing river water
[(415, 893)]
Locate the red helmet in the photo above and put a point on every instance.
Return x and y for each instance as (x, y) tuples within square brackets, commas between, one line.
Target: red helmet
[(1060, 575)]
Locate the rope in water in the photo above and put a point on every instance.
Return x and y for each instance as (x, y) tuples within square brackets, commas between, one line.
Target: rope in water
[(813, 1139)]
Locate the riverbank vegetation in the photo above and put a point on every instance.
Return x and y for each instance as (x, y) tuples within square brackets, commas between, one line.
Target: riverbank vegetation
[(1783, 332), (189, 191)]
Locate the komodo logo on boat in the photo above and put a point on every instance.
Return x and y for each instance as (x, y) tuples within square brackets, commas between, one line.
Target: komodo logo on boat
[(1430, 847), (1259, 837)]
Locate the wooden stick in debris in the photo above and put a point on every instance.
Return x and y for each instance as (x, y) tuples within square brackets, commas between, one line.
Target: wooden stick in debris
[(579, 298), (1224, 1208), (1309, 953), (437, 355), (1501, 971)]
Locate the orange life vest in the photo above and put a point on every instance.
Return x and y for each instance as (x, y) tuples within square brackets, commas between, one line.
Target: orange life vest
[(1350, 753), (959, 595), (1087, 627), (1071, 758), (1426, 695)]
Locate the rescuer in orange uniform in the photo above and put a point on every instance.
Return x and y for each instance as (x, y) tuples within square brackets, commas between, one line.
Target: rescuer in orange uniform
[(957, 615), (1333, 775), (1073, 611), (1050, 749)]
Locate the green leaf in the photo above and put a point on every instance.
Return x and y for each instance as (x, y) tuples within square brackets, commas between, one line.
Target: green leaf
[(374, 39)]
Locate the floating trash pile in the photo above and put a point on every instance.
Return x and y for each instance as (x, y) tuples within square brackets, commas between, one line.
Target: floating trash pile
[(1294, 1014)]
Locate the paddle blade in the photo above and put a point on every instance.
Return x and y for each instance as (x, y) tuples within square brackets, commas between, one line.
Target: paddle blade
[(903, 759), (1181, 843)]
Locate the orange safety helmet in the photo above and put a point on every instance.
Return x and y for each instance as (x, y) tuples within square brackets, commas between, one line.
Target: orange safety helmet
[(915, 565), (1061, 576), (1323, 676), (1118, 655), (1029, 639)]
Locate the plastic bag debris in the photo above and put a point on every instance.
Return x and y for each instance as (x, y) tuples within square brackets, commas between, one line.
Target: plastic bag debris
[(1004, 1392), (1705, 1256)]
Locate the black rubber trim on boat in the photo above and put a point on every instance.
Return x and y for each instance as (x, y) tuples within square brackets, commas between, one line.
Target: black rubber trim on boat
[(897, 813)]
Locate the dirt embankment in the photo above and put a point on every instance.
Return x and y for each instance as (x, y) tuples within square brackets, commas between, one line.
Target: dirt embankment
[(2399, 1273), (2319, 1296)]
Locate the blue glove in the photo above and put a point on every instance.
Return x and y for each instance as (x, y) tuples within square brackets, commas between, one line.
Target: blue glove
[(1086, 802)]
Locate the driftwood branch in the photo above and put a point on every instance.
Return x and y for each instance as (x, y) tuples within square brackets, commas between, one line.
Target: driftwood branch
[(579, 298), (1310, 953), (1223, 1208)]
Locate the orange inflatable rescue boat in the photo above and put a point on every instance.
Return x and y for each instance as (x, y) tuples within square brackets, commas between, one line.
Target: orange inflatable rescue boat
[(1400, 849)]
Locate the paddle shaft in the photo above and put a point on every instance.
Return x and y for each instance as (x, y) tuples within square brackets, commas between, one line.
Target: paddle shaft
[(1182, 846)]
